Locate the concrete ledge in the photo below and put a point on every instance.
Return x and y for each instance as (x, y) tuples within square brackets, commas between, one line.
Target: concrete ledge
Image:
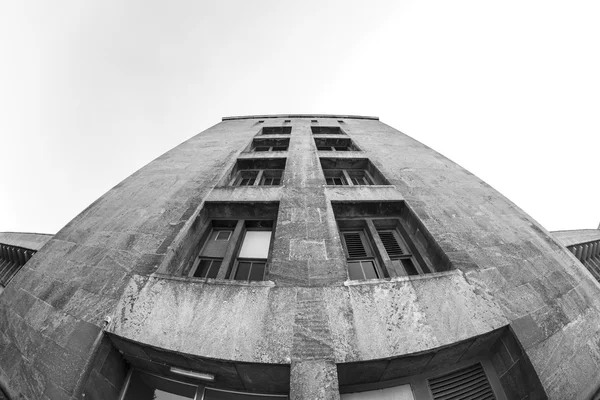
[(434, 275), (210, 281), (272, 136), (259, 155), (341, 154), (245, 194), (377, 193), (30, 241), (579, 236), (341, 116)]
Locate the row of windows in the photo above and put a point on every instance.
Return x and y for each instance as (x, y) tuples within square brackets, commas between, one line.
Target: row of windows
[(314, 121), (323, 144), (240, 249), (287, 130), (339, 172)]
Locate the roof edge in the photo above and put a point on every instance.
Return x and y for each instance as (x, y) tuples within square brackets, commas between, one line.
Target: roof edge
[(344, 116)]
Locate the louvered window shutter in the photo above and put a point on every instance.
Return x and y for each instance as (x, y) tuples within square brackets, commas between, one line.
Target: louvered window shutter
[(390, 242), (355, 246), (467, 383)]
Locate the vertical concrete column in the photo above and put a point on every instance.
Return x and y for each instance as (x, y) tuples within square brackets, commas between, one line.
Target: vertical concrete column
[(583, 256), (578, 252), (304, 252), (314, 380)]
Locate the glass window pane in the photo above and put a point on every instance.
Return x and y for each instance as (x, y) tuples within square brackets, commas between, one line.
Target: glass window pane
[(369, 269), (409, 266), (160, 395), (223, 235), (202, 269), (242, 271), (214, 394), (256, 244), (214, 269), (403, 392), (355, 271), (258, 272)]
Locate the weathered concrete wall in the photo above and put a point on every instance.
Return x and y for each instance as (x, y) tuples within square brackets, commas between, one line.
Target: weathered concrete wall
[(509, 270)]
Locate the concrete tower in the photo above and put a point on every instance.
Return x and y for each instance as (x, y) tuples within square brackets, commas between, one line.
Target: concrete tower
[(301, 257)]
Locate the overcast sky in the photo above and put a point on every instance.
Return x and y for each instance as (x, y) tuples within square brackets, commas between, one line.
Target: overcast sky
[(91, 91)]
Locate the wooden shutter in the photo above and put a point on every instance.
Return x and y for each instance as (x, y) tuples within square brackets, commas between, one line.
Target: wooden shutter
[(355, 246), (390, 242), (466, 383)]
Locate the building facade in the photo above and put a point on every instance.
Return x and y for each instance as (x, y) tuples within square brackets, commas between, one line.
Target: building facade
[(301, 257)]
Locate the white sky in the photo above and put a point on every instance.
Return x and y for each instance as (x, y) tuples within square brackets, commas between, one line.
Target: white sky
[(91, 91)]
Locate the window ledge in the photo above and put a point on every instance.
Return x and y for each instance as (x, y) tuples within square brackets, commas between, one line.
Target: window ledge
[(245, 193), (225, 282), (251, 155), (363, 193), (341, 153), (273, 136), (432, 275)]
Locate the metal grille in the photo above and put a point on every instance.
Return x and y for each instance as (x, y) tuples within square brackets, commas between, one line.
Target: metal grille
[(467, 383), (354, 245), (392, 247)]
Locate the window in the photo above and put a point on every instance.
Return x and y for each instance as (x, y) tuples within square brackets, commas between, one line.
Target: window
[(142, 385), (402, 392), (466, 383), (401, 243), (341, 177), (377, 237), (258, 172), (396, 249), (471, 382), (12, 258), (326, 130), (209, 260), (265, 145), (351, 172), (361, 260), (221, 243), (276, 130), (261, 177), (327, 144)]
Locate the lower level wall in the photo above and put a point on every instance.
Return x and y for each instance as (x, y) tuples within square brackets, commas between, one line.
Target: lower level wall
[(108, 374)]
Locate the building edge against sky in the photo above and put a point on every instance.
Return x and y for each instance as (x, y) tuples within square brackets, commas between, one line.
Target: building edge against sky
[(379, 265)]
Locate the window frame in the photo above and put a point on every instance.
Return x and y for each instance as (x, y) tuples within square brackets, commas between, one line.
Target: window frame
[(276, 130), (199, 389), (230, 260), (326, 130), (343, 144), (347, 174), (370, 254), (410, 263), (259, 177), (238, 259), (419, 383)]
